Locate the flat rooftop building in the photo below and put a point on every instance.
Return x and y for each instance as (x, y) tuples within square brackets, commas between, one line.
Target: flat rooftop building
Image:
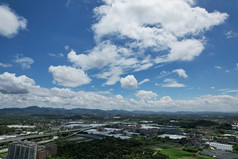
[(219, 154)]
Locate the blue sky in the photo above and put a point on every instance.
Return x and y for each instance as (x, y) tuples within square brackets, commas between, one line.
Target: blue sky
[(152, 55)]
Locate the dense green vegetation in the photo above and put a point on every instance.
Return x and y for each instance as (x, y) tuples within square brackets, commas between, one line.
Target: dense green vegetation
[(6, 130), (136, 148), (196, 123), (108, 148), (235, 149)]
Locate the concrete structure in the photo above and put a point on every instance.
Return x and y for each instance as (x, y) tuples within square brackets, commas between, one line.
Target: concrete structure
[(219, 154), (174, 137), (44, 151), (41, 135), (22, 150), (224, 147), (41, 152)]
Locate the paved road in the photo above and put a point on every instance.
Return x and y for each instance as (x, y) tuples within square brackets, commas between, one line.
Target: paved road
[(40, 135), (4, 150)]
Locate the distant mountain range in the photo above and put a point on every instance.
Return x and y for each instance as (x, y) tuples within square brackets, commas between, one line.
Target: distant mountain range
[(60, 111), (47, 110)]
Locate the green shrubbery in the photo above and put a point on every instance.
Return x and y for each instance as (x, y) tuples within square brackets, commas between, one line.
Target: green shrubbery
[(108, 148)]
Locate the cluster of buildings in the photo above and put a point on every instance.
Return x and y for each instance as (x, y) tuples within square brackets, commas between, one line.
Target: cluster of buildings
[(201, 137), (30, 150)]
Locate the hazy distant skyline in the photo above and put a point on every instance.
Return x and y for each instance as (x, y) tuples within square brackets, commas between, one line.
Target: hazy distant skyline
[(154, 55)]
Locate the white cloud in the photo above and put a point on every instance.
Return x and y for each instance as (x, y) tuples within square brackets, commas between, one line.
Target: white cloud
[(22, 91), (156, 24), (136, 35), (10, 84), (112, 61), (146, 94), (69, 76), (99, 57), (231, 34), (129, 82), (25, 62), (218, 67), (180, 72), (112, 75), (172, 83), (144, 81), (222, 68), (225, 91), (232, 91), (236, 66), (150, 18), (202, 103), (212, 87), (5, 65), (185, 50), (56, 55), (10, 22), (66, 47), (125, 30), (164, 74)]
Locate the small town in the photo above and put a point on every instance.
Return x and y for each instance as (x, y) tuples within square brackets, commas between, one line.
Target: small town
[(166, 135)]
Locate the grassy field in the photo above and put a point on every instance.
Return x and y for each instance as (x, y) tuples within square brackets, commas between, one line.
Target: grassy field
[(175, 154), (180, 154)]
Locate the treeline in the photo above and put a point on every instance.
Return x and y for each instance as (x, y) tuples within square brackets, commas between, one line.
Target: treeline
[(108, 148), (204, 123), (6, 130)]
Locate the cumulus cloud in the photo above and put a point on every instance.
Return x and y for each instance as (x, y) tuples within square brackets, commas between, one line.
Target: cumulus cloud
[(10, 22), (146, 94), (185, 50), (69, 76), (180, 72), (112, 61), (203, 103), (136, 35), (25, 62), (100, 56), (5, 65), (10, 84), (112, 75), (144, 81), (157, 24), (151, 19), (169, 82), (129, 82), (21, 91)]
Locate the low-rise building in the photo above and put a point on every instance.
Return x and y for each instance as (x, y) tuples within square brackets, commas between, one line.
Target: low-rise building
[(224, 147)]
